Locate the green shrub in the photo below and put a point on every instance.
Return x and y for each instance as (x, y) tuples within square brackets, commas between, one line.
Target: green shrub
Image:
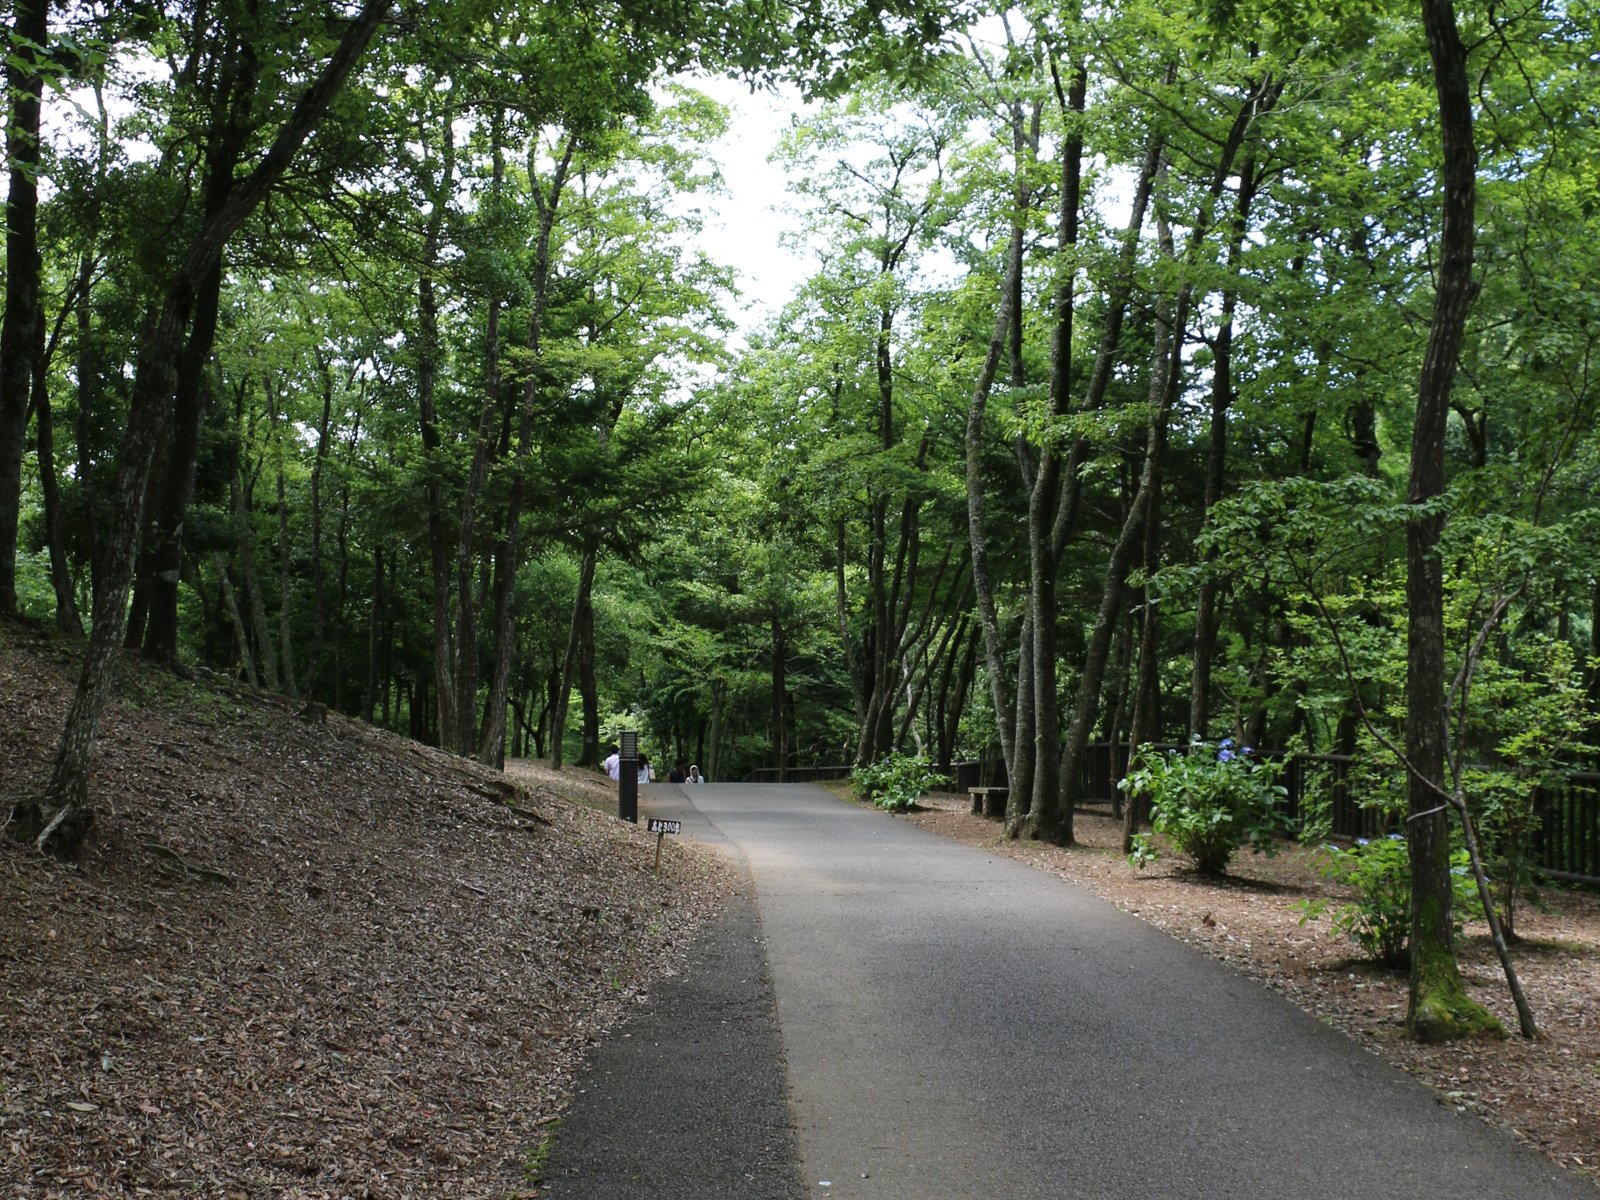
[(1207, 803), (895, 782), (1378, 919)]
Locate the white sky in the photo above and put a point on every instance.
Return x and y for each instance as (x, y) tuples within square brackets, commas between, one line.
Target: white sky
[(747, 231)]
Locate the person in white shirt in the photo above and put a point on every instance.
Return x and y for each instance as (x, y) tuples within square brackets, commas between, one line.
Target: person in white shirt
[(612, 765), (695, 776)]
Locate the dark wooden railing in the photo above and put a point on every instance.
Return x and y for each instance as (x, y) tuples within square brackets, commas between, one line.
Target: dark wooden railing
[(1566, 840), (1565, 843)]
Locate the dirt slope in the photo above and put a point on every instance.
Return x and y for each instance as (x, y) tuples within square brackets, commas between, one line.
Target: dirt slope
[(305, 959)]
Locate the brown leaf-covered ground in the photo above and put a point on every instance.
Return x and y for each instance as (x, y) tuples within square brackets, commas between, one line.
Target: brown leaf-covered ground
[(1547, 1091), (305, 959)]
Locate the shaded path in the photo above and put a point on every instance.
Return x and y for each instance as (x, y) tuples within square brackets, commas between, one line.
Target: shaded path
[(957, 1025)]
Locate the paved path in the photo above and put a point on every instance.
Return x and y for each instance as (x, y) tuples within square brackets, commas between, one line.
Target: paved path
[(956, 1025)]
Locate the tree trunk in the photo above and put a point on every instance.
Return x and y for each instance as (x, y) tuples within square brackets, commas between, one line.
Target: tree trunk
[(1205, 619), (588, 684), (230, 600), (60, 819), (547, 201), (1048, 821), (719, 699), (67, 618), (777, 727), (483, 452), (84, 426), (285, 589), (319, 599), (1117, 719), (230, 123), (1165, 372), (19, 328), (1001, 694), (451, 722), (1020, 809), (1045, 497), (250, 578), (341, 594), (1439, 1006), (569, 663), (375, 621), (1261, 97)]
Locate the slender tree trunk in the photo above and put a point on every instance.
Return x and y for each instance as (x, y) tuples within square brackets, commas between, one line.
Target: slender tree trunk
[(342, 588), (23, 315), (1048, 822), (918, 667), (1116, 724), (230, 600), (67, 618), (953, 698), (428, 350), (84, 429), (1164, 373), (319, 599), (847, 641), (1045, 498), (375, 622), (483, 452), (777, 728), (1001, 693), (1143, 723), (285, 589), (1025, 759), (1205, 620), (250, 577), (569, 663), (588, 685), (547, 201), (719, 699), (1021, 812), (1439, 1006)]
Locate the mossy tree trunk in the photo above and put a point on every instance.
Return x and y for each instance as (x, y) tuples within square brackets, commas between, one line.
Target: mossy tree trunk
[(1439, 1006)]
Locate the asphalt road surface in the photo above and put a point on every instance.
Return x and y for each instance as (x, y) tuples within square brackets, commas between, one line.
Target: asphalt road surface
[(895, 1016)]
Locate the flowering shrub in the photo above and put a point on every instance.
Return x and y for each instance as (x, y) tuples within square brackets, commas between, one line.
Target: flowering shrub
[(1207, 803), (1378, 920), (896, 781)]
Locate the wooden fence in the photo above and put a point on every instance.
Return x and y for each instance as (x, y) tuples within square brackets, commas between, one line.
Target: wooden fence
[(1566, 843)]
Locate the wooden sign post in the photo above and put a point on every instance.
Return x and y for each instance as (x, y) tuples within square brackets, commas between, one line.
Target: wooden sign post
[(661, 828)]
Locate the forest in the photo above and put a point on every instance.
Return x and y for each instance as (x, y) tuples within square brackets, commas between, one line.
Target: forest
[(1167, 373)]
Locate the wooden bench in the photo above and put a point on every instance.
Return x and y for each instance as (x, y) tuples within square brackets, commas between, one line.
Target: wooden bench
[(989, 801)]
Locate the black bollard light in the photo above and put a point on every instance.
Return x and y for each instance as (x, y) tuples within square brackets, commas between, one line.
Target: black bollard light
[(628, 777)]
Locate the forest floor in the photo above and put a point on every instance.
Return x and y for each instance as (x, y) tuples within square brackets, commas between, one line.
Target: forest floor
[(1547, 1092), (306, 959)]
